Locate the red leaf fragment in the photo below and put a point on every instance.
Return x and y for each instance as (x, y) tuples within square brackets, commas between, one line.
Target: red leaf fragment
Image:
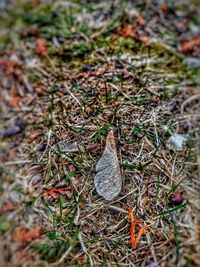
[(127, 30), (135, 237), (190, 45), (11, 69), (7, 207), (23, 234), (15, 98), (55, 192), (41, 48)]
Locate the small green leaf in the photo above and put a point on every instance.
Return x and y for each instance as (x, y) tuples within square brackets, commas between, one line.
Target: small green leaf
[(52, 235), (71, 173), (4, 224)]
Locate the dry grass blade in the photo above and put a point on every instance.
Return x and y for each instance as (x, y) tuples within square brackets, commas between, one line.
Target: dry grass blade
[(64, 86)]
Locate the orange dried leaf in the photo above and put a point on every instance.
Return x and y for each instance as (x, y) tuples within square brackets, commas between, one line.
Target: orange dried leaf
[(41, 48), (55, 192), (134, 238), (14, 92), (15, 101), (127, 30), (24, 235), (189, 45), (15, 98)]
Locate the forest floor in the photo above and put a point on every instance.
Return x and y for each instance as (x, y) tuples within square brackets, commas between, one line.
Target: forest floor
[(70, 71)]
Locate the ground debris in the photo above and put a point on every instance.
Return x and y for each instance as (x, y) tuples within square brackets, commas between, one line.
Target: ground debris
[(54, 192), (67, 146), (134, 238), (41, 48), (11, 131), (7, 207), (74, 70), (176, 142), (190, 45), (108, 180), (23, 234)]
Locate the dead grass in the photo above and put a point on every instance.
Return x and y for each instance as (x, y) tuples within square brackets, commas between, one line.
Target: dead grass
[(140, 92)]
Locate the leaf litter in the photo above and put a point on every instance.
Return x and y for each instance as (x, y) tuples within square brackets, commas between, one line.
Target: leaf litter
[(77, 84), (25, 235), (55, 192)]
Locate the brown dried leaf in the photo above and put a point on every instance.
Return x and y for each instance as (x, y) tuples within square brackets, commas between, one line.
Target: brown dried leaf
[(33, 136), (108, 180), (164, 8)]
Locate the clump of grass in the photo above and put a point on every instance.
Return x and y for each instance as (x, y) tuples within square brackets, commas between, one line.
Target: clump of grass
[(51, 250)]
